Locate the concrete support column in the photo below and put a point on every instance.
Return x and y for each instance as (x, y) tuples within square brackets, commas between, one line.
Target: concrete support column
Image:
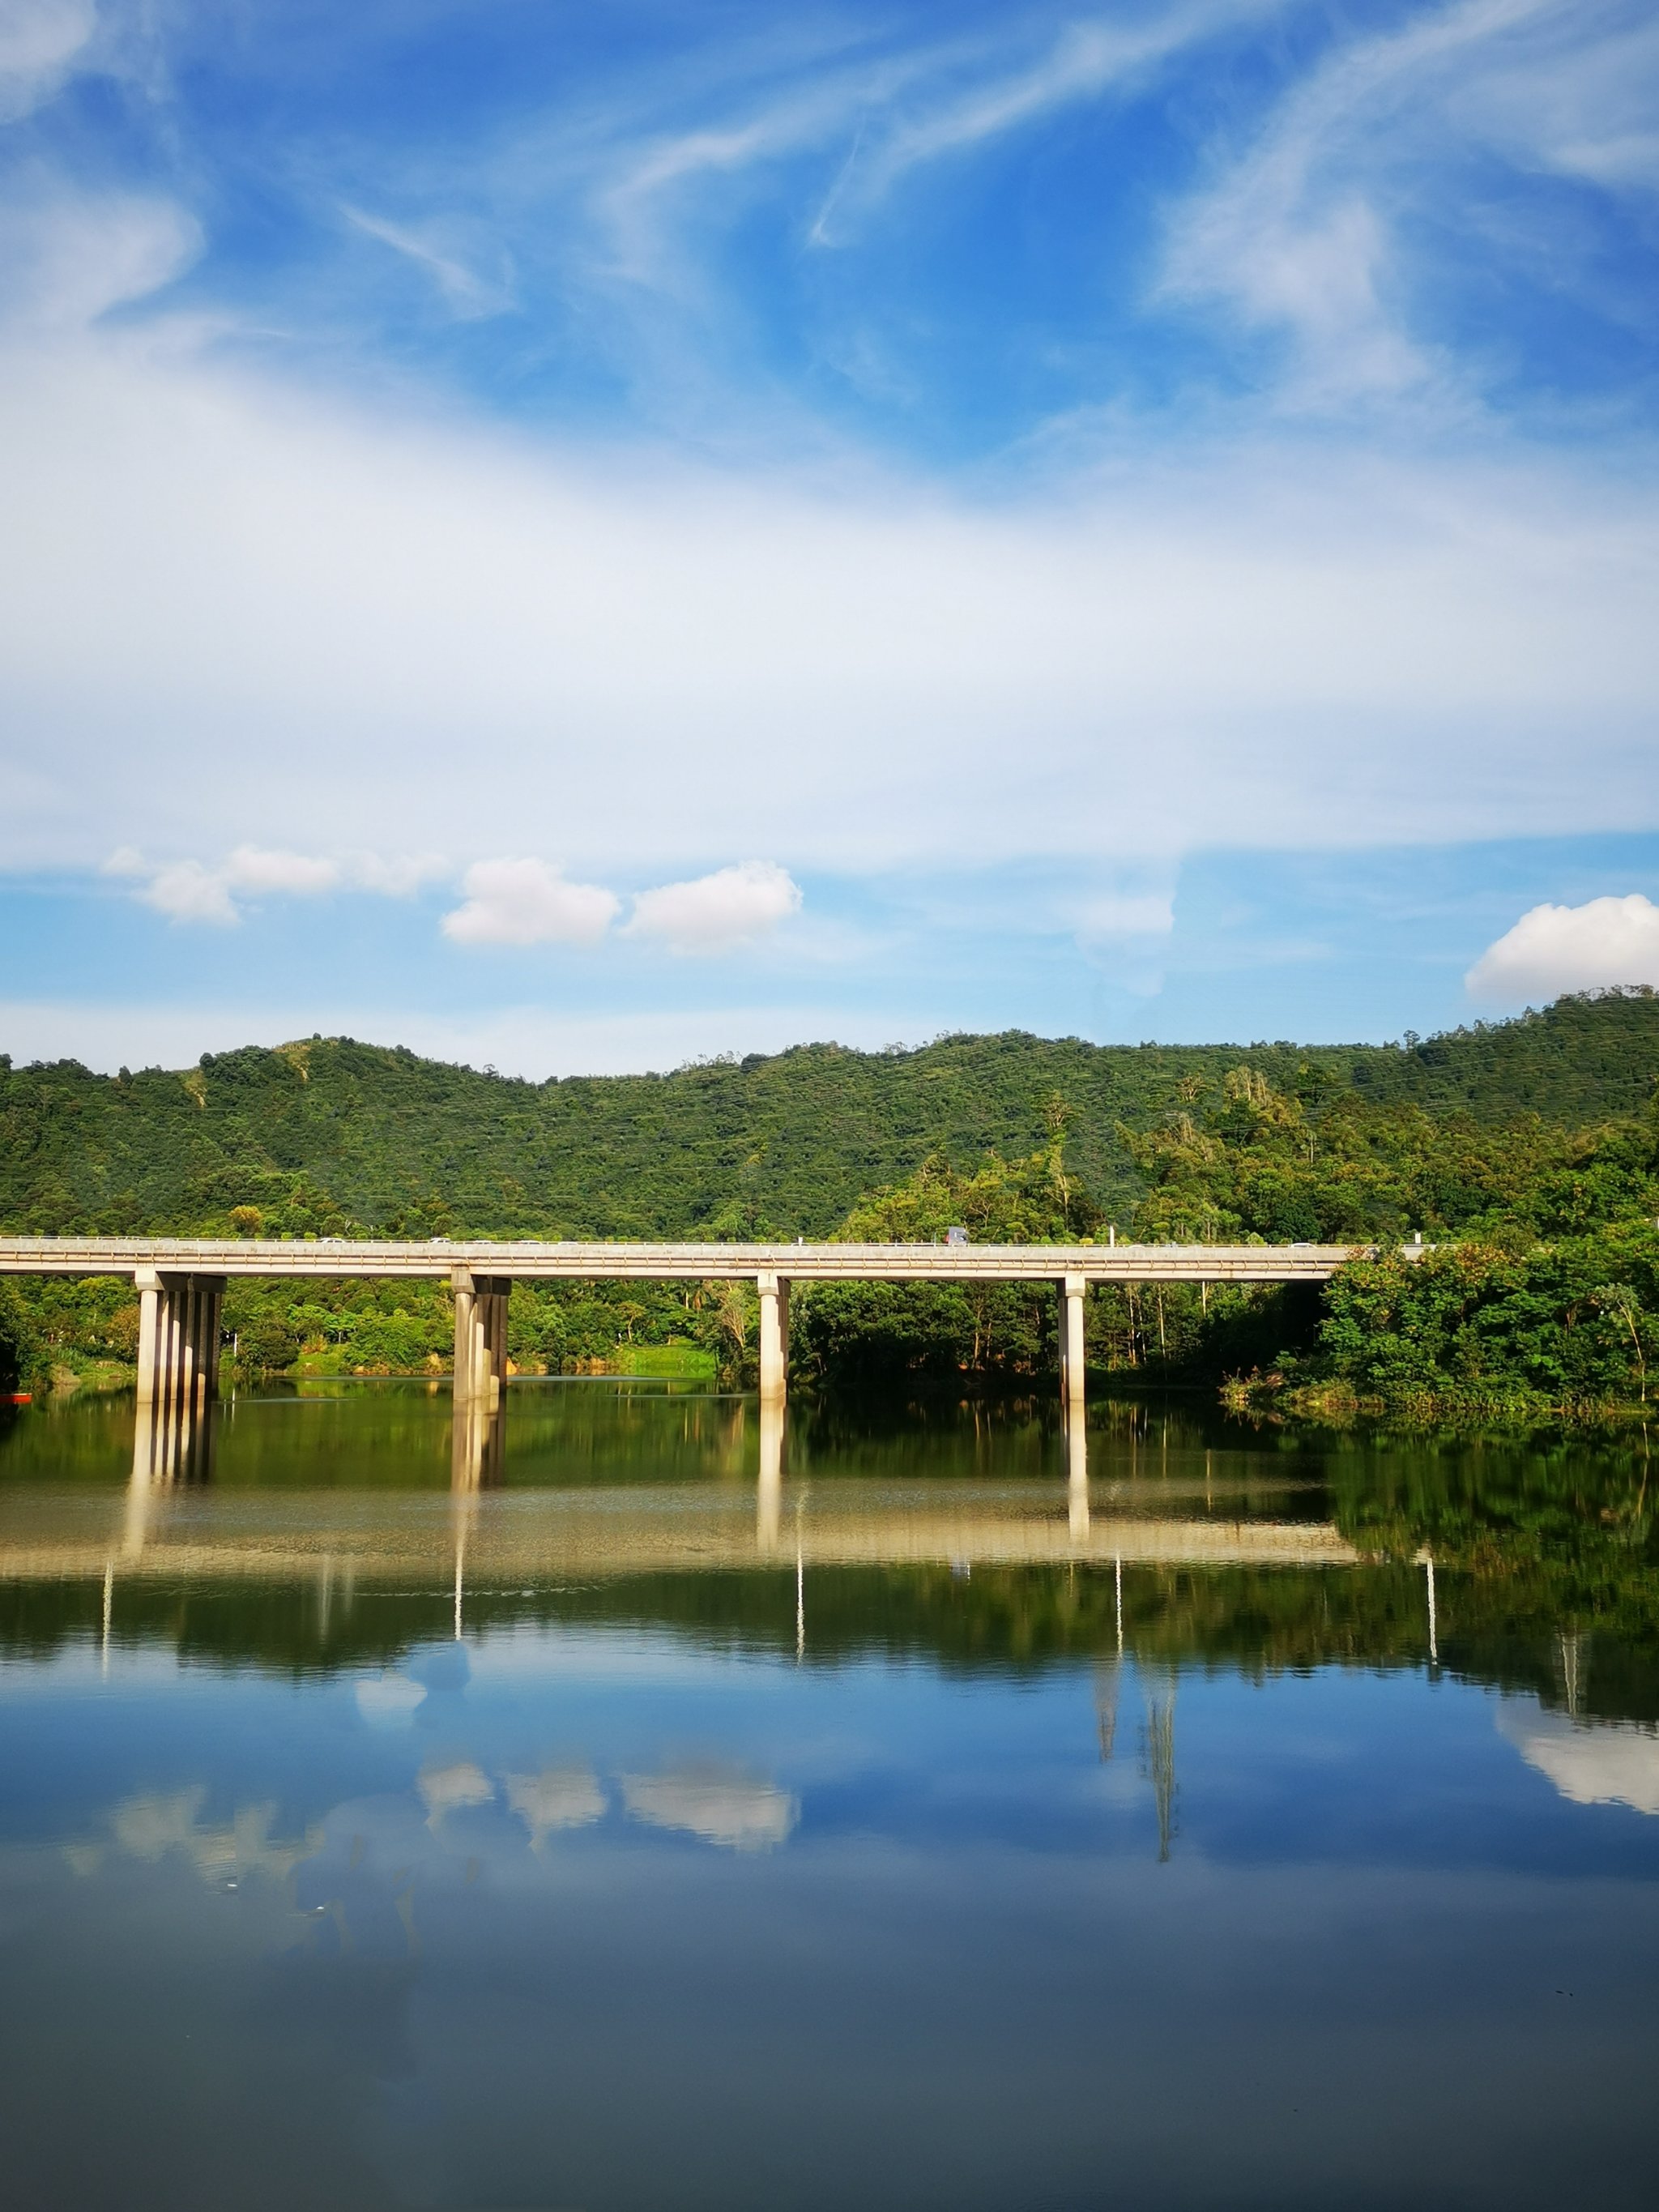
[(1072, 1291), (178, 1377), (773, 1337), (190, 1322), (466, 1345), (147, 1285), (215, 1323), (480, 1336), (498, 1330), (169, 1362), (208, 1293)]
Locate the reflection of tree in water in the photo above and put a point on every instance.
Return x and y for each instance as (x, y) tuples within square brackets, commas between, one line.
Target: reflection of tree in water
[(1108, 1677), (1158, 1686)]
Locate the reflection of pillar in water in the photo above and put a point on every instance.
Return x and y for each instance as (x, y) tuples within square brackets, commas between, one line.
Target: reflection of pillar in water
[(1570, 1668), (1434, 1626), (769, 1501), (1159, 1685), (478, 1444), (171, 1443), (1076, 1474), (141, 1485)]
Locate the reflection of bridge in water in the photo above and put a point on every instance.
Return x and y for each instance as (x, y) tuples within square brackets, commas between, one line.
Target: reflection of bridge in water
[(172, 1522), (480, 1544)]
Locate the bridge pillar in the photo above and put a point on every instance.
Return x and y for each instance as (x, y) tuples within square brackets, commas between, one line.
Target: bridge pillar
[(1072, 1359), (147, 1285), (178, 1340), (178, 1376), (774, 1336), (480, 1336)]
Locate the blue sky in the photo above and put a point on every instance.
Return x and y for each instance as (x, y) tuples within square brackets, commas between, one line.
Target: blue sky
[(577, 538)]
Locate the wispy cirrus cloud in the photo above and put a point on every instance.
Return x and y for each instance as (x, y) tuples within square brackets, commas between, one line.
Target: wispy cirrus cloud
[(1325, 229), (466, 294), (40, 41)]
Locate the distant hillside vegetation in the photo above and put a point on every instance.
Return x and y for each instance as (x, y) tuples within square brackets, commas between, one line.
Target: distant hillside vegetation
[(328, 1134)]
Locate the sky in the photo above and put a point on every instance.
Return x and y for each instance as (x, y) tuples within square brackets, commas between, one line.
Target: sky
[(581, 536)]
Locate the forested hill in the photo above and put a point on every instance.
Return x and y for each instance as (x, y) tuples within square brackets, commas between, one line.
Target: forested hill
[(330, 1134)]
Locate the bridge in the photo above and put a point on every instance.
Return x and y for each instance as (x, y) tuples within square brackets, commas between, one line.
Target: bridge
[(180, 1282)]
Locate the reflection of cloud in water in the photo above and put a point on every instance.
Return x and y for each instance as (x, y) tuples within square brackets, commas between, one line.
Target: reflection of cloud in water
[(1592, 1762), (447, 1789), (721, 1806), (148, 1827), (386, 1700), (558, 1798)]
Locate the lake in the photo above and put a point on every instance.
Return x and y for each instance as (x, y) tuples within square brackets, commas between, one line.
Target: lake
[(629, 1803)]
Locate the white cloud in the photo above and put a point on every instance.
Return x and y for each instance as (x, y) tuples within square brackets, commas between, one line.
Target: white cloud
[(187, 892), (388, 1700), (150, 1827), (1580, 98), (557, 1798), (528, 903), (1552, 949), (1085, 61), (194, 891), (67, 259), (1266, 646), (1297, 234), (469, 296), (1271, 648), (734, 1810), (301, 875), (396, 875), (1591, 1762), (453, 1787), (40, 41), (712, 914)]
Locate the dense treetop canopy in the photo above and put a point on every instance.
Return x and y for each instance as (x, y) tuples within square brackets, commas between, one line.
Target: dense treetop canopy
[(328, 1134)]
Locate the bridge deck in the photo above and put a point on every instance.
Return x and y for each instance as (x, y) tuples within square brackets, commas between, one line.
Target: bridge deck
[(799, 1262)]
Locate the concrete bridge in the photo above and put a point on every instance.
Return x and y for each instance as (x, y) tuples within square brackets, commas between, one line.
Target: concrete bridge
[(180, 1282)]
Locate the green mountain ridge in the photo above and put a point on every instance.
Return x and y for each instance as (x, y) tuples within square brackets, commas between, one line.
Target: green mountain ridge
[(330, 1133)]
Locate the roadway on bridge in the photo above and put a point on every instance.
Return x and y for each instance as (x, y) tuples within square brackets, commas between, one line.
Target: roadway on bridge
[(801, 1262)]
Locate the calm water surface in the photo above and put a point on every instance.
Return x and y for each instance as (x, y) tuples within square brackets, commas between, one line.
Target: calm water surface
[(619, 1806)]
